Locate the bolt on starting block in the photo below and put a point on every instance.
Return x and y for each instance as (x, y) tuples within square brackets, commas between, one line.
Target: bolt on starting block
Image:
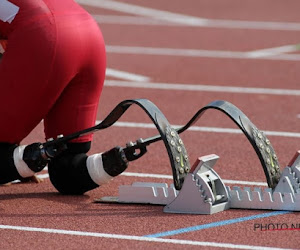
[(204, 192)]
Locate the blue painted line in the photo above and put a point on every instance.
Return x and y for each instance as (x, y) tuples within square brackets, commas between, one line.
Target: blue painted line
[(216, 224)]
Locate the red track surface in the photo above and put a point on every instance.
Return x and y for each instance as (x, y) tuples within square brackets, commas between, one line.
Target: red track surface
[(28, 206)]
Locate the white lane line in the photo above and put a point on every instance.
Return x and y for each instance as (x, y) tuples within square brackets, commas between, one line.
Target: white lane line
[(174, 52), (170, 177), (136, 50), (144, 11), (205, 129), (131, 20), (43, 176), (210, 23), (162, 176), (274, 51), (186, 19), (135, 238), (208, 88), (126, 75)]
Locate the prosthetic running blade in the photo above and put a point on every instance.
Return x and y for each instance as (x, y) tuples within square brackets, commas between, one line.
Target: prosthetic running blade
[(174, 145)]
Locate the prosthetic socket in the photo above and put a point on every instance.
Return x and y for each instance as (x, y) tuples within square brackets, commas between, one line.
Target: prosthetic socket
[(35, 157)]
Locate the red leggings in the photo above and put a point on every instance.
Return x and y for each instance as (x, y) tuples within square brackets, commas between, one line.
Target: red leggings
[(53, 69)]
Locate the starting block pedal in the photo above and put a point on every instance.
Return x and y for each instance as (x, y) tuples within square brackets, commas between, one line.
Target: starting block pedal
[(203, 191)]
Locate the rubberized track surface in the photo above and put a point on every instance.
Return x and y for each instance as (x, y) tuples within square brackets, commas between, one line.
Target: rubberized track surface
[(180, 59)]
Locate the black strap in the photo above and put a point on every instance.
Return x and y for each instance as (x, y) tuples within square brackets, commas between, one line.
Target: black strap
[(179, 160)]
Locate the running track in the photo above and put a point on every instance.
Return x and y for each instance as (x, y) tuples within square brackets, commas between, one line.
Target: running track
[(181, 55)]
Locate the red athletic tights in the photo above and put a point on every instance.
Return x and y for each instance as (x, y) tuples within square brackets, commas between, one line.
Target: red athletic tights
[(53, 69)]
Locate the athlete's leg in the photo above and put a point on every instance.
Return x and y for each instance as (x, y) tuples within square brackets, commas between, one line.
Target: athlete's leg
[(62, 73), (30, 84), (76, 108), (73, 172), (24, 76), (24, 96), (68, 172)]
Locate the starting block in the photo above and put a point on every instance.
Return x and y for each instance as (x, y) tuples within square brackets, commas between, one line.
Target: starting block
[(204, 192)]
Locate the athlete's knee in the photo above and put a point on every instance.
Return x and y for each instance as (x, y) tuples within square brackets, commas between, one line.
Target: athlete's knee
[(74, 172), (68, 172)]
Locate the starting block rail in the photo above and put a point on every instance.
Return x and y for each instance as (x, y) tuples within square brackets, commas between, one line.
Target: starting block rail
[(204, 192)]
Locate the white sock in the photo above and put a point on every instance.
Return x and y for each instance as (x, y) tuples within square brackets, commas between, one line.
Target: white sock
[(96, 171), (20, 164)]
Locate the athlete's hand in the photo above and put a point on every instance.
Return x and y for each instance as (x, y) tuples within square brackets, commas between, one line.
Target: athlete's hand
[(31, 179)]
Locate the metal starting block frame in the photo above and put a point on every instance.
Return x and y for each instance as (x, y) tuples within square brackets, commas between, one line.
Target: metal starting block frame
[(204, 192), (285, 196)]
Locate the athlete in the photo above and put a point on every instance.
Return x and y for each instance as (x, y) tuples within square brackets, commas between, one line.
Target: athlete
[(52, 69)]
